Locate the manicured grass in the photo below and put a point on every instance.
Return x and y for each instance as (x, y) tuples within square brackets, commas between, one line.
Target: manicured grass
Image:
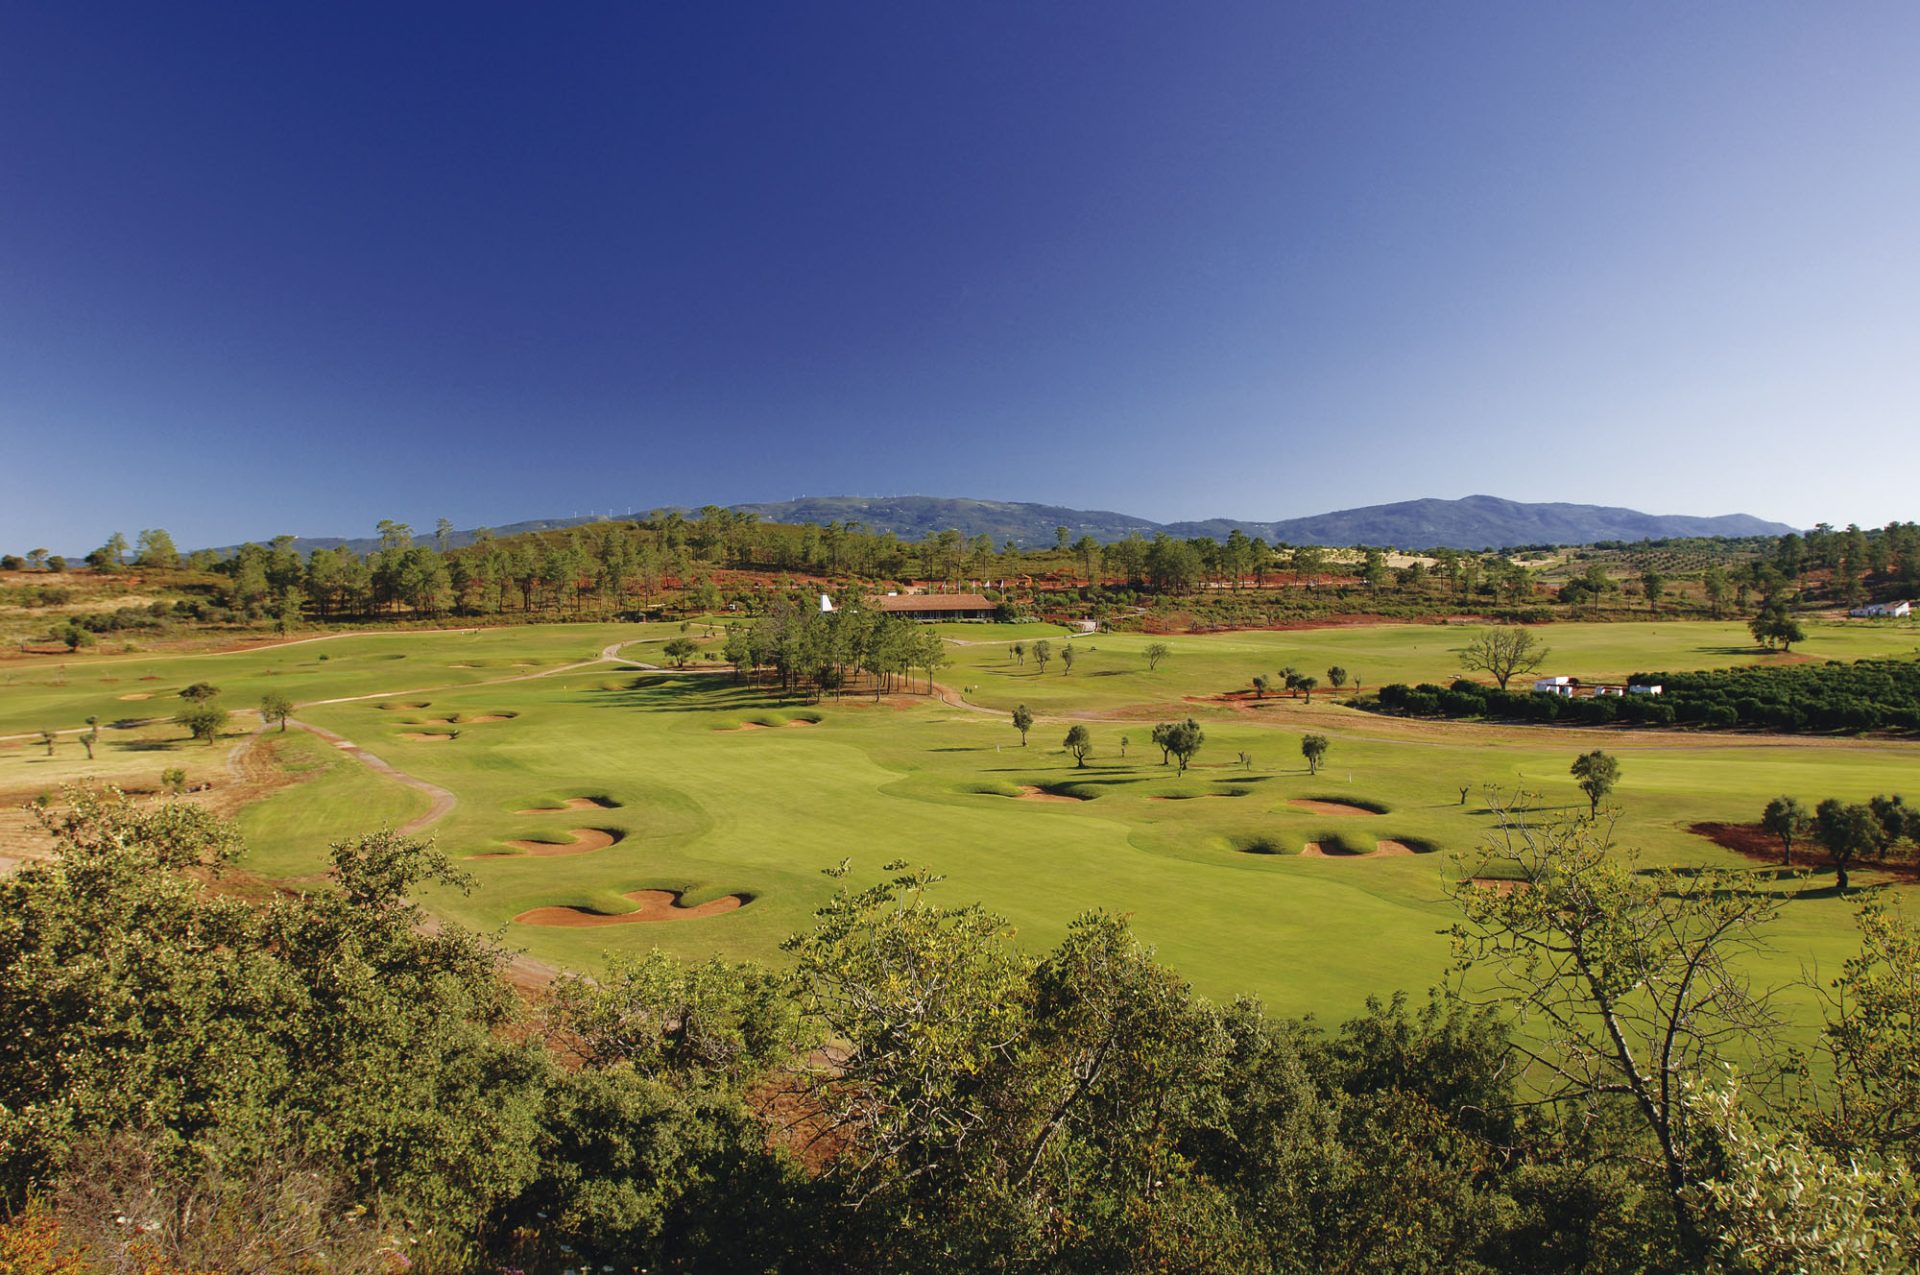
[(1206, 863), (333, 798), (1110, 670)]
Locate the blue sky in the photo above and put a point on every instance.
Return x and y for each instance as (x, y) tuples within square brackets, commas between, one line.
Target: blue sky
[(273, 268)]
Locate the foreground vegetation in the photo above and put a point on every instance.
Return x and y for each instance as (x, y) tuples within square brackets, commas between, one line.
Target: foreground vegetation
[(318, 1083)]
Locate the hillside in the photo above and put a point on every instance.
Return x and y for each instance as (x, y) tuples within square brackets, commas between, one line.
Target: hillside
[(1474, 522)]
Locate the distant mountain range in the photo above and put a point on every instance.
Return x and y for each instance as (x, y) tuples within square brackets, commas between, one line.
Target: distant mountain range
[(1474, 522)]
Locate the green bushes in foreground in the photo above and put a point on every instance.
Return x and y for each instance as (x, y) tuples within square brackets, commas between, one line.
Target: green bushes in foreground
[(320, 1084)]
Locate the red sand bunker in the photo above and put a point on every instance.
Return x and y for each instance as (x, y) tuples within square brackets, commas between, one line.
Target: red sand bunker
[(584, 840), (655, 905)]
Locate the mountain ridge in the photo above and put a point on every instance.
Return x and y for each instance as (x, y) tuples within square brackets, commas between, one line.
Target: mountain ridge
[(1470, 522)]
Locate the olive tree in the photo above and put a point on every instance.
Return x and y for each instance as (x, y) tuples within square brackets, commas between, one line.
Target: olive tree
[(1022, 722), (1503, 652), (1155, 652), (1079, 742), (1788, 820), (275, 707), (1314, 749), (1596, 773)]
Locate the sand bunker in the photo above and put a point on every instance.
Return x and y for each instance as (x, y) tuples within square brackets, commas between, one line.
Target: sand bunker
[(655, 905), (744, 726), (1500, 885), (1034, 792), (422, 737), (394, 705), (572, 803), (1381, 850), (138, 695), (1392, 847), (1338, 809), (584, 840)]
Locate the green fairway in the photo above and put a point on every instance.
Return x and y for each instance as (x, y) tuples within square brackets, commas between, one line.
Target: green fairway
[(1110, 670), (620, 779)]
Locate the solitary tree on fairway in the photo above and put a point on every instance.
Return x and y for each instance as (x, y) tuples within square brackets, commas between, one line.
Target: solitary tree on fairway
[(276, 707), (1788, 820), (1042, 652), (1155, 652), (49, 738), (1597, 773), (200, 692), (203, 720), (1080, 744), (1020, 653), (1503, 652), (1066, 659), (91, 737), (1338, 676), (1776, 624), (1022, 722), (1314, 748), (1309, 685), (1184, 740), (1260, 685), (680, 651)]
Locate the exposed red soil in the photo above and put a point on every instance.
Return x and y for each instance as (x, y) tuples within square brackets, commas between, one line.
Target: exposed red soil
[(655, 905), (1338, 809), (1753, 842)]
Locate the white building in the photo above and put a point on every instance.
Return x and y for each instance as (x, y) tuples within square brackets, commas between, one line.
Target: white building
[(1562, 686), (1883, 611)]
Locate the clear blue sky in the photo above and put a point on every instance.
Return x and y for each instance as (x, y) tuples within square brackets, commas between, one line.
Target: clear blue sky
[(274, 267)]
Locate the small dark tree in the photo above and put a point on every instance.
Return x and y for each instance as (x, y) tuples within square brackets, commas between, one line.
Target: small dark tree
[(1597, 773), (203, 720), (1022, 722), (1042, 652), (681, 651), (1309, 684), (1260, 685), (199, 692), (1337, 676), (1066, 659), (1155, 652), (1788, 820), (1183, 741), (1314, 749), (275, 707), (1847, 832), (91, 736), (1080, 743), (49, 738)]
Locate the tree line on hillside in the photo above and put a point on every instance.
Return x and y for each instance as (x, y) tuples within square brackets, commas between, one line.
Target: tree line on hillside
[(318, 1082), (1871, 694), (613, 568)]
